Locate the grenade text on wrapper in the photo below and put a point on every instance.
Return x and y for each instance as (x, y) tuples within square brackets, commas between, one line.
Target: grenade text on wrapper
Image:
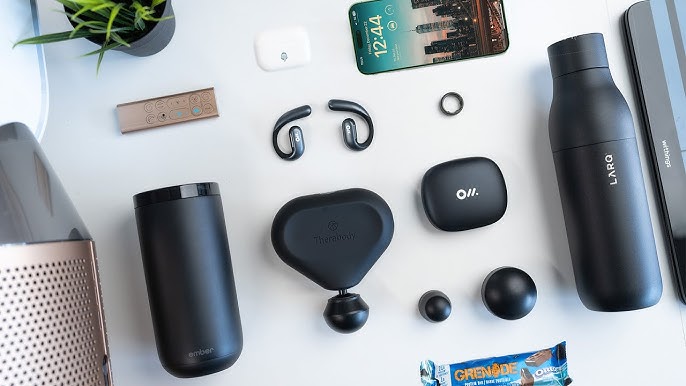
[(546, 367)]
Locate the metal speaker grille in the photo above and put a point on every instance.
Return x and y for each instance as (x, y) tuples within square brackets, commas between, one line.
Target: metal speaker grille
[(51, 329)]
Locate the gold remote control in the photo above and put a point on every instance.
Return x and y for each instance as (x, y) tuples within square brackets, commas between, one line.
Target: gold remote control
[(167, 110)]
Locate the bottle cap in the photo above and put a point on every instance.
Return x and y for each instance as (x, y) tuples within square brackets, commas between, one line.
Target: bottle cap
[(577, 53)]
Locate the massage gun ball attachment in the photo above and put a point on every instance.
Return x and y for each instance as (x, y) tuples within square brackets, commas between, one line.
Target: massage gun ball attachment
[(346, 312), (434, 306), (509, 293), (334, 239)]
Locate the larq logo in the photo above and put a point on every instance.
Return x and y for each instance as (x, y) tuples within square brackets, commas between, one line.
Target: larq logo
[(465, 194), (611, 171)]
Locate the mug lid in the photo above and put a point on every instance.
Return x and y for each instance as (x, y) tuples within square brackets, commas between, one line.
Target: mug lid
[(178, 192)]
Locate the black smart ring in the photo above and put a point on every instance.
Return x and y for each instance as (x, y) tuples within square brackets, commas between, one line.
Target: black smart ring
[(448, 96)]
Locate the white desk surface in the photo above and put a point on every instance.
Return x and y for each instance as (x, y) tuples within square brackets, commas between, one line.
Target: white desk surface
[(286, 340)]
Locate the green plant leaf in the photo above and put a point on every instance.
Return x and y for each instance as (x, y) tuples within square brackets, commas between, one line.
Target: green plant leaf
[(102, 49), (100, 32), (155, 3), (140, 10), (103, 7), (113, 15), (105, 13), (87, 2), (159, 19), (118, 39), (140, 25), (56, 37), (82, 11), (121, 19), (70, 5), (90, 24), (138, 19), (91, 16), (103, 31), (96, 8), (128, 11), (97, 67)]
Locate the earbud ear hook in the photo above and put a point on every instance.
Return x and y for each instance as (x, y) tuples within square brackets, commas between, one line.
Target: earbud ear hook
[(349, 127), (295, 133)]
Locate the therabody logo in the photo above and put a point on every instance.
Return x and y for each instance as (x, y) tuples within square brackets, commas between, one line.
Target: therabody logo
[(465, 194), (326, 240)]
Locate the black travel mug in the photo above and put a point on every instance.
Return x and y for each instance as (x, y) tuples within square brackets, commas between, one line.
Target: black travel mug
[(600, 180), (189, 278)]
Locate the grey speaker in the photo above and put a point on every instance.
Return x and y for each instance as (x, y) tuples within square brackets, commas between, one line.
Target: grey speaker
[(52, 328)]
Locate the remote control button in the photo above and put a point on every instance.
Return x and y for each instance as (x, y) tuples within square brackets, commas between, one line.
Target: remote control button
[(162, 117), (160, 105), (150, 118), (195, 99), (179, 114), (174, 103), (183, 101), (207, 108), (206, 96), (149, 107), (196, 110)]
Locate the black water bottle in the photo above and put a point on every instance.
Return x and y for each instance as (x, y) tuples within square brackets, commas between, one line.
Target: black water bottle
[(601, 184), (189, 278)]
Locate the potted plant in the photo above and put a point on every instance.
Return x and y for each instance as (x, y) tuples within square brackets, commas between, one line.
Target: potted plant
[(136, 27)]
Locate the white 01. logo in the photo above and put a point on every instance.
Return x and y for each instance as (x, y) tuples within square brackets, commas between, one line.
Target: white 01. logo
[(464, 194)]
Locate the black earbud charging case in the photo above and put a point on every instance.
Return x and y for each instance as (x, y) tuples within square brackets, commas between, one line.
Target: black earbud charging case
[(464, 194)]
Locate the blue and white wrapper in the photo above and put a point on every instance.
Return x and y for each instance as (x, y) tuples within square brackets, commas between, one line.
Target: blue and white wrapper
[(547, 367)]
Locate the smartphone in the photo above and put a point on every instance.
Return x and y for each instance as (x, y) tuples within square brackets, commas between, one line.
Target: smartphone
[(395, 34)]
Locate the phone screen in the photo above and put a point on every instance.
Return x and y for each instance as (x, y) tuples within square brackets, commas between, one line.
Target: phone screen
[(393, 34)]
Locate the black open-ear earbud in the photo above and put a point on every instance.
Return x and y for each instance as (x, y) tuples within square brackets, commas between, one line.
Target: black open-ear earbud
[(295, 133), (349, 127)]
